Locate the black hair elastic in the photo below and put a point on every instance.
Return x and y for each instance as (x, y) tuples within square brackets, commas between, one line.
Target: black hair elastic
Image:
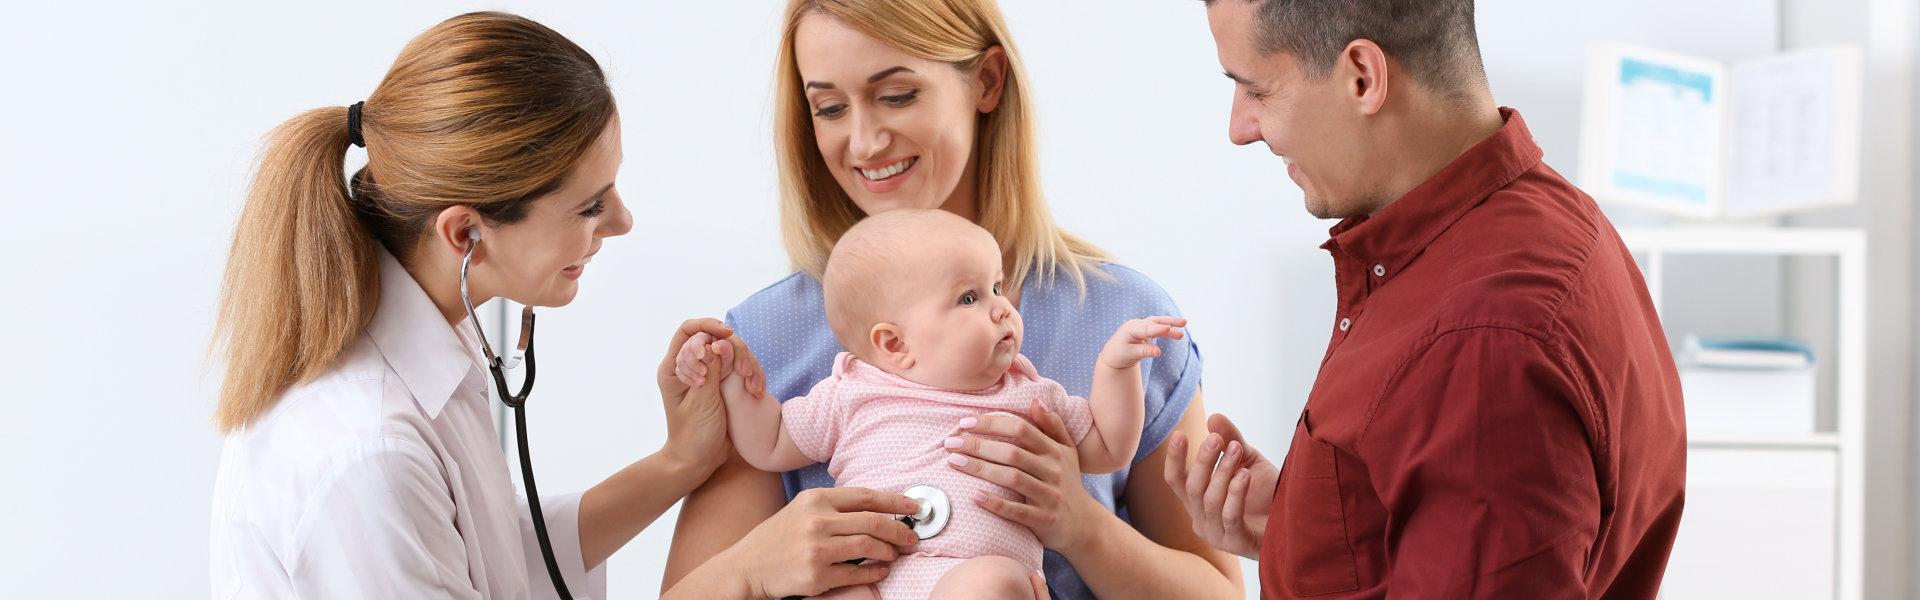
[(353, 125)]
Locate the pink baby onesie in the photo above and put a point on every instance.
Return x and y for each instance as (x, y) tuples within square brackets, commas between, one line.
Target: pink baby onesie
[(878, 430)]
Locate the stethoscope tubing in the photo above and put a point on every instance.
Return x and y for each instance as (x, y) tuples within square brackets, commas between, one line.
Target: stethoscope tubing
[(518, 402), (533, 493)]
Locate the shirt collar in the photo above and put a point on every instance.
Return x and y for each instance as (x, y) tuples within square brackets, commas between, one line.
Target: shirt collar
[(1398, 233), (430, 358)]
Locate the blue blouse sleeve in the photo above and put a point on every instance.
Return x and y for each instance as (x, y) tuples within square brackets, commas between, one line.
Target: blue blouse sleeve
[(1172, 379), (785, 326)]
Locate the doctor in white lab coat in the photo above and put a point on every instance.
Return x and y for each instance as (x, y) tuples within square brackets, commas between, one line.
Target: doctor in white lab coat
[(361, 459)]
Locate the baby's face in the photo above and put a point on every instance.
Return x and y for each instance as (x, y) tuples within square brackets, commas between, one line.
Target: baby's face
[(962, 332)]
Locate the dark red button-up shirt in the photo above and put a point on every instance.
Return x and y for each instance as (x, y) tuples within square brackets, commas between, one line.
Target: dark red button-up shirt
[(1497, 415)]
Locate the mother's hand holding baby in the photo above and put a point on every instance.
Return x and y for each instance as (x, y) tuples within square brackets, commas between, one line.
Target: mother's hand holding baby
[(1041, 462), (1042, 465)]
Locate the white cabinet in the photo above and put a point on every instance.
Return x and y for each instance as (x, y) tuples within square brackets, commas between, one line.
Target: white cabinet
[(1775, 516), (1759, 525)]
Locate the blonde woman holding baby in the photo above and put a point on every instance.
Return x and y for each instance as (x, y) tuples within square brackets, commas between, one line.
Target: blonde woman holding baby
[(883, 105), (915, 297)]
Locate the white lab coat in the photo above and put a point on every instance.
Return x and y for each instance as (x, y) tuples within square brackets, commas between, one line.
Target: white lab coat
[(384, 478)]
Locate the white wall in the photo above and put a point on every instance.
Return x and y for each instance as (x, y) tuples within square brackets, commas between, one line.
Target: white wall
[(1913, 370), (130, 129), (1885, 30)]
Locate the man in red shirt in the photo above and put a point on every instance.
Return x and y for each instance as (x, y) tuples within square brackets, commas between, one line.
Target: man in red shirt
[(1497, 414)]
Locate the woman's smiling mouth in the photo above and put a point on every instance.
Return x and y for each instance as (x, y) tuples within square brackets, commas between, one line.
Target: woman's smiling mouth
[(887, 177), (888, 171), (574, 270)]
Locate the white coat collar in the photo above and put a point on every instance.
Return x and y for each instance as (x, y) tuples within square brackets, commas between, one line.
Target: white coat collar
[(413, 336)]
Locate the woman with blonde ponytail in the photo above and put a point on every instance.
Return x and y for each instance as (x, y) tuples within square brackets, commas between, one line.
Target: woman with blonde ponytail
[(361, 459)]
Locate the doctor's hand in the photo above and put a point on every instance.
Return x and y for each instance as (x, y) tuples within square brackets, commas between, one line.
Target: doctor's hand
[(729, 356), (804, 548), (696, 415), (698, 355), (1227, 488)]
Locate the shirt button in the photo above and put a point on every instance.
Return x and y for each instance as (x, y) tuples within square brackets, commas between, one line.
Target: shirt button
[(1345, 323), (1379, 270)]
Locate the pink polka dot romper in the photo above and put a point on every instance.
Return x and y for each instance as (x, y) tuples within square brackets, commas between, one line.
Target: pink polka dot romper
[(878, 430)]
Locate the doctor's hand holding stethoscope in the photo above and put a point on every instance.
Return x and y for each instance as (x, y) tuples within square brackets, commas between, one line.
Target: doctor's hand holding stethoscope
[(361, 458)]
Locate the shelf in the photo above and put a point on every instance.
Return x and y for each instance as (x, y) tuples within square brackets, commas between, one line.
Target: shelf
[(1825, 440), (1745, 240)]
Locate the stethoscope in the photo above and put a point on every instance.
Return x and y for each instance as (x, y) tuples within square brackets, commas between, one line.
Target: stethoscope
[(933, 512), (518, 402), (930, 517)]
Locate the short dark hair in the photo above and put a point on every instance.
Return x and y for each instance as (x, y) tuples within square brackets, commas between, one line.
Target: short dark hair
[(1433, 39)]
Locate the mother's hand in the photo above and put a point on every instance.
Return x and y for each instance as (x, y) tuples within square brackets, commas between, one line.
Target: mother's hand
[(803, 549), (1041, 465), (696, 416)]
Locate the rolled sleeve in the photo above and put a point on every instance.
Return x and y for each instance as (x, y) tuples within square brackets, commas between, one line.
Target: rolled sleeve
[(562, 513), (1485, 470), (1174, 379)]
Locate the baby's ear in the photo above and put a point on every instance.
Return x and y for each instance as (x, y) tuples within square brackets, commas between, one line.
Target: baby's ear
[(889, 347)]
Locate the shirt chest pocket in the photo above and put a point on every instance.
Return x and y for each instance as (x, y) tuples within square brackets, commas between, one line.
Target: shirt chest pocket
[(1318, 557)]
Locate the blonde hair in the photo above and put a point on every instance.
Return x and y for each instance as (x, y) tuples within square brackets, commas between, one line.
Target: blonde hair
[(488, 110), (815, 211)]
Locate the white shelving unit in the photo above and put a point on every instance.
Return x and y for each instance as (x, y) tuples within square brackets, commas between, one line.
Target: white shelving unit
[(1847, 441)]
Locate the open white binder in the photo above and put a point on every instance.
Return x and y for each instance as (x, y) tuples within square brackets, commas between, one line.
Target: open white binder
[(1702, 139)]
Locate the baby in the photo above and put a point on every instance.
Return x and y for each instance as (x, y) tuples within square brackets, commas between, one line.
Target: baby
[(914, 296)]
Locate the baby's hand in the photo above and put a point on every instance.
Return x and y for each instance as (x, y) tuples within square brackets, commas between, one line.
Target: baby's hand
[(697, 354), (1134, 340)]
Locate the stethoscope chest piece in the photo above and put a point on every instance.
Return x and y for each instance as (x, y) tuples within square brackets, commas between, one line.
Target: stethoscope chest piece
[(935, 510)]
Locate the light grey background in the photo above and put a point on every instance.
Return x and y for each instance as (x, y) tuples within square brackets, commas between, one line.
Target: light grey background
[(130, 128)]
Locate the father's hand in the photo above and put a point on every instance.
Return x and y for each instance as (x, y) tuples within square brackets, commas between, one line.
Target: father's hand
[(1227, 488)]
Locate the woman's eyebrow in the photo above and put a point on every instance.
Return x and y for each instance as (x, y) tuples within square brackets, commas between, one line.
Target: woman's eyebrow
[(883, 74)]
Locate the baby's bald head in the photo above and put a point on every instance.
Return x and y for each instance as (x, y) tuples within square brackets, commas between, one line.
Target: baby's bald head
[(879, 263)]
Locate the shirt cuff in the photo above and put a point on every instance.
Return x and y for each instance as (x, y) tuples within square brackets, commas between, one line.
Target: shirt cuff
[(562, 512)]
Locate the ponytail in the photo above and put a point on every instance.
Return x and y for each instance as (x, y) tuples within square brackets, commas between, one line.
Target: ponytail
[(487, 110), (303, 278)]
